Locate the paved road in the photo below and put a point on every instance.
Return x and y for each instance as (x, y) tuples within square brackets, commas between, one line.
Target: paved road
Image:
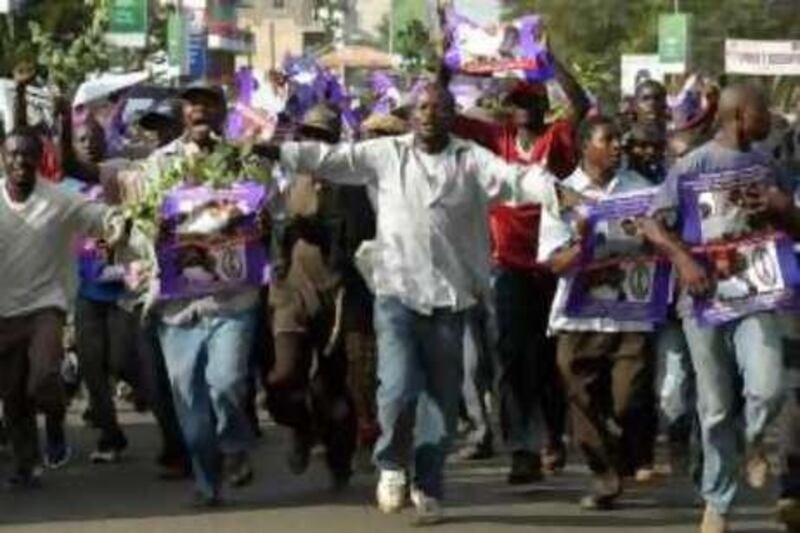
[(126, 497)]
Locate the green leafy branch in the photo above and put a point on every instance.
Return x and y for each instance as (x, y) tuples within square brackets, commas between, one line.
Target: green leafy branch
[(224, 166)]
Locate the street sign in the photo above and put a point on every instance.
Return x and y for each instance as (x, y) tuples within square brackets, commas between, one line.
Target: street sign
[(198, 43), (673, 41), (128, 22), (762, 58), (177, 42)]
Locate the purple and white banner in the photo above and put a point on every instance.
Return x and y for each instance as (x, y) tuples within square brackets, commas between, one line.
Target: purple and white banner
[(620, 276), (724, 206), (212, 241), (513, 49), (748, 277)]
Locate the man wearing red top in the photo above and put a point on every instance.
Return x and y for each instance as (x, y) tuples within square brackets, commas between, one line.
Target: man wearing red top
[(524, 289)]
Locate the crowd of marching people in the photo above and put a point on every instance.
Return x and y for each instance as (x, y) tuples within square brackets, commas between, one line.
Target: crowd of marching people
[(425, 266)]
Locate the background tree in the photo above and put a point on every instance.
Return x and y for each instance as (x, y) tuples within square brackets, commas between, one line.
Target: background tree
[(592, 34)]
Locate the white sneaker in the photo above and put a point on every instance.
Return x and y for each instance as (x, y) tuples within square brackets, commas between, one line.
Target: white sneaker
[(391, 491), (428, 509)]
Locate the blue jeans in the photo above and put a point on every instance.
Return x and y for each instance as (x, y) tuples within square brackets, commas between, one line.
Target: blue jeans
[(749, 349), (675, 378), (207, 362), (477, 375), (420, 369)]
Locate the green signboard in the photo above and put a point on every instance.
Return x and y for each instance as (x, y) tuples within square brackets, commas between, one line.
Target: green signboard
[(177, 40), (673, 38), (127, 25)]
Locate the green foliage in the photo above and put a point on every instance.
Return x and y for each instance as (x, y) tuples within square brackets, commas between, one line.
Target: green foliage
[(67, 40), (592, 34), (68, 64), (219, 169), (415, 44)]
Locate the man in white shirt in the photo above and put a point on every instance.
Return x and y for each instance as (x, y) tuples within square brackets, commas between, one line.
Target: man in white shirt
[(432, 193), (603, 360), (38, 224)]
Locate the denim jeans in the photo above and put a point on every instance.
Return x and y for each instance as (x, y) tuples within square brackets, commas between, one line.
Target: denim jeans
[(675, 382), (208, 362), (749, 349), (477, 375), (790, 420), (420, 369)]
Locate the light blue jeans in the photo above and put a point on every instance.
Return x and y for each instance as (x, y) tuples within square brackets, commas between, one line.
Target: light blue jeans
[(420, 369), (744, 355), (675, 382), (207, 363), (478, 362)]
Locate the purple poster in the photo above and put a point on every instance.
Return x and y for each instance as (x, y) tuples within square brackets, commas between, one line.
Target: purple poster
[(749, 277), (620, 276), (213, 241), (724, 206), (753, 267), (512, 48)]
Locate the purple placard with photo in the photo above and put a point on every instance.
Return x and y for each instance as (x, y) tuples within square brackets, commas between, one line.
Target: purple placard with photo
[(508, 48), (213, 241), (620, 277), (749, 277), (724, 206)]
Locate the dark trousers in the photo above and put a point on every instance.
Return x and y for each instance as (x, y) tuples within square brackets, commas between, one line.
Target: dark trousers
[(156, 388), (604, 374), (640, 430), (306, 309), (31, 351), (528, 379), (316, 406), (790, 424), (106, 341)]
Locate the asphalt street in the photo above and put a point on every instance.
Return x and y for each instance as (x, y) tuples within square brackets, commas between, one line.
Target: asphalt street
[(127, 497)]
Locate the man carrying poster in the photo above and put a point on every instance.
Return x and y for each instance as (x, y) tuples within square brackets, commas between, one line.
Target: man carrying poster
[(207, 334), (596, 349), (746, 343)]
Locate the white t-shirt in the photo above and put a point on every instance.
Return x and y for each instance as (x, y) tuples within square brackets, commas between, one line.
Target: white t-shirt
[(36, 239)]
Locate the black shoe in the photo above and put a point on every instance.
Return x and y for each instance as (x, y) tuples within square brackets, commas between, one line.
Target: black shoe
[(206, 502), (526, 467), (606, 488), (594, 502), (109, 449), (300, 453), (554, 459), (476, 452), (340, 480), (239, 470), (25, 479), (57, 455)]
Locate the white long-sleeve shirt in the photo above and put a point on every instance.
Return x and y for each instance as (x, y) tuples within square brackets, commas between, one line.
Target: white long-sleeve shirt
[(432, 242), (36, 239)]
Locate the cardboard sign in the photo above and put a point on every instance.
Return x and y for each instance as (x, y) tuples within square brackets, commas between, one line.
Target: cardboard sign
[(213, 241), (620, 277)]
